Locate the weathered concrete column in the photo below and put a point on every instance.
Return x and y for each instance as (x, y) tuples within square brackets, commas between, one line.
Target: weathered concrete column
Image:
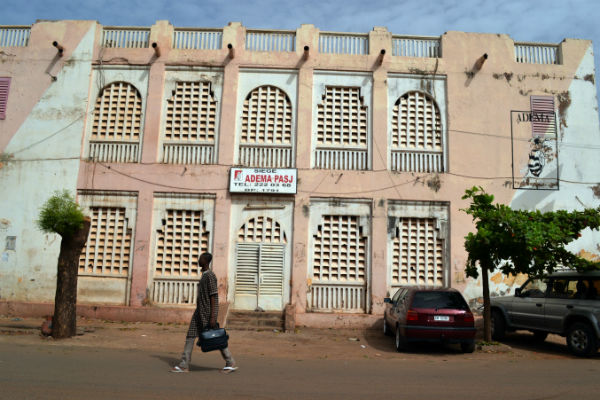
[(141, 249)]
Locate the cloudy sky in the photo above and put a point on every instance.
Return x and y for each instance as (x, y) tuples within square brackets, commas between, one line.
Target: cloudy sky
[(524, 20)]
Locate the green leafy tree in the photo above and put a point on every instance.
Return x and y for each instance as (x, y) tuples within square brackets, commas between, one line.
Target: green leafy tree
[(518, 241), (62, 215)]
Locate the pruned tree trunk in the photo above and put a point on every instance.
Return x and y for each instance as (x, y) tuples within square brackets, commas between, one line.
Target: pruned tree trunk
[(487, 315), (64, 323)]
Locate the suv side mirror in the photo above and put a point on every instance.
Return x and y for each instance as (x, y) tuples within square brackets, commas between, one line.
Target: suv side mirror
[(518, 292), (387, 300)]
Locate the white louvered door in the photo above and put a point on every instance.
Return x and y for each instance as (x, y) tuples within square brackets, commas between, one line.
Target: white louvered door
[(270, 276), (259, 276)]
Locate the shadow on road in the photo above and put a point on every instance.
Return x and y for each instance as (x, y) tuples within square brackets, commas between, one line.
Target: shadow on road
[(554, 345), (382, 343), (171, 361)]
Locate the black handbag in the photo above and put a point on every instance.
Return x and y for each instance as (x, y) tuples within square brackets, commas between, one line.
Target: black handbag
[(213, 339)]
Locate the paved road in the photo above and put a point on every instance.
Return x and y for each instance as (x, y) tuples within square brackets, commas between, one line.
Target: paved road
[(42, 372)]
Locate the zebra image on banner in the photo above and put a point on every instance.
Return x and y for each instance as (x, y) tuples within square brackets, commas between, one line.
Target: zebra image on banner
[(534, 149)]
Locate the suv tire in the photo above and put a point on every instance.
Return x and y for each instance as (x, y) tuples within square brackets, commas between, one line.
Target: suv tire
[(539, 336), (581, 339), (498, 325)]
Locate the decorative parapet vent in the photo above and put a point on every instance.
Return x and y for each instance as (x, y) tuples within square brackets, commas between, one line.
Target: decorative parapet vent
[(261, 229), (266, 131), (108, 248), (342, 130), (179, 243), (416, 142), (125, 37), (14, 36), (339, 270), (116, 124), (190, 125), (418, 253), (264, 40), (197, 39), (417, 245), (182, 225), (416, 46), (537, 53), (344, 43)]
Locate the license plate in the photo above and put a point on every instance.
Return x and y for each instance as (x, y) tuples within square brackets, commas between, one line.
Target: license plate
[(441, 318)]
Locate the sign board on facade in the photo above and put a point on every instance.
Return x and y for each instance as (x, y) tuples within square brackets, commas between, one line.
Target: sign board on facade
[(534, 150), (263, 180)]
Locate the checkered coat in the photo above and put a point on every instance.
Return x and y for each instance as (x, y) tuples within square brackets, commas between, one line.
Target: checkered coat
[(206, 288)]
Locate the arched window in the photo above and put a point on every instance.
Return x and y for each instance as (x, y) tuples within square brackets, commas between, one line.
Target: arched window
[(342, 129), (190, 124), (417, 133), (117, 124), (261, 229), (266, 129)]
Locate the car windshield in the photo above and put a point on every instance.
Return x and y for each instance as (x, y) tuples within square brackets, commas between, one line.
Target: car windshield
[(439, 299)]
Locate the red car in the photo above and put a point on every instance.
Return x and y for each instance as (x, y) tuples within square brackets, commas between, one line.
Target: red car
[(417, 313)]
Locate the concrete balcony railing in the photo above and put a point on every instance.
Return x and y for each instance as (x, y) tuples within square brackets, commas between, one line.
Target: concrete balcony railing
[(197, 39), (14, 36), (177, 153), (125, 37), (537, 53), (344, 43), (416, 46), (417, 161), (331, 158), (269, 40), (181, 291), (121, 152), (266, 156), (344, 297)]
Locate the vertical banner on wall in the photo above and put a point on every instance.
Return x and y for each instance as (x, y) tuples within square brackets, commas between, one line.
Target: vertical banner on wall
[(534, 150)]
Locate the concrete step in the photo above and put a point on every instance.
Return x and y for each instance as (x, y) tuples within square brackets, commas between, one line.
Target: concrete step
[(253, 320)]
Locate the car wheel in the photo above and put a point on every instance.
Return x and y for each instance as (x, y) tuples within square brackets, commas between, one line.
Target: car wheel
[(498, 325), (581, 339), (468, 347), (386, 328), (539, 336), (400, 340)]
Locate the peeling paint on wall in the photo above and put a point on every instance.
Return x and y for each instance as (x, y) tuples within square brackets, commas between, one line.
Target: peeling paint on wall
[(564, 102)]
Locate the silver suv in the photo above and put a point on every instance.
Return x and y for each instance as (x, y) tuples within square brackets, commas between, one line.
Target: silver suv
[(565, 303)]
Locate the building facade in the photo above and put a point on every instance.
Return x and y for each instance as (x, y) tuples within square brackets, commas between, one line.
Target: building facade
[(321, 169)]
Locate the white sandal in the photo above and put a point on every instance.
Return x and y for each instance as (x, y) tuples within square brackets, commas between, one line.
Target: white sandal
[(228, 369)]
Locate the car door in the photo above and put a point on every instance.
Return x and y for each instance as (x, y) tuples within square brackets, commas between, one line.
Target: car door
[(560, 301), (397, 302), (528, 307)]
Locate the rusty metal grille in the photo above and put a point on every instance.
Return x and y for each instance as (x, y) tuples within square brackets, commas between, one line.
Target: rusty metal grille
[(267, 117), (180, 241), (108, 248), (416, 123), (118, 114), (342, 118), (191, 113), (261, 229), (340, 250), (418, 253)]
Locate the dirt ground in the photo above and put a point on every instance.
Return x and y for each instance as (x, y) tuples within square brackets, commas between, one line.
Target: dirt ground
[(304, 344)]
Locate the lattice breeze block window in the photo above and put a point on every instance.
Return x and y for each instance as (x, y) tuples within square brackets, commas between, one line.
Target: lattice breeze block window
[(117, 122), (261, 229), (340, 249), (191, 113), (418, 253), (266, 132), (417, 134), (108, 248), (180, 241), (342, 129)]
